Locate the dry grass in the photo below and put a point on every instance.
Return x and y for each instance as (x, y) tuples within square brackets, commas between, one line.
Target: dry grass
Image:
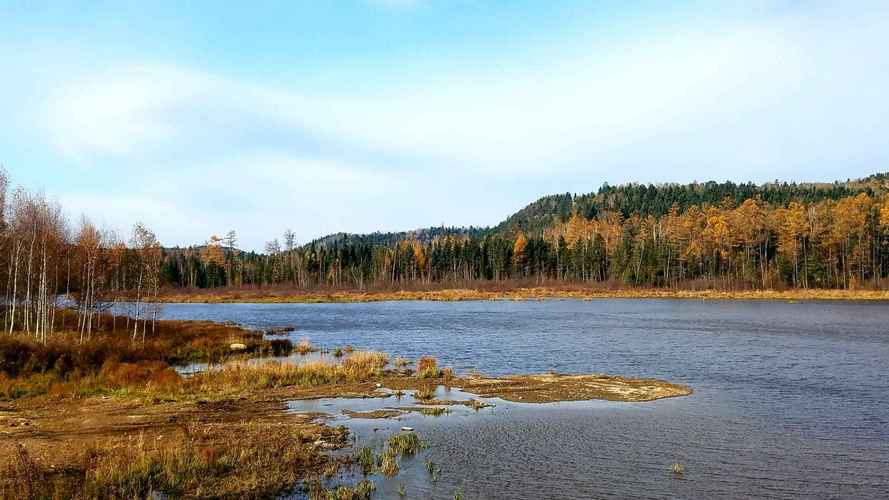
[(110, 360), (361, 491), (235, 377), (304, 346), (360, 366), (389, 462), (427, 367), (425, 393), (514, 291), (363, 365), (199, 461)]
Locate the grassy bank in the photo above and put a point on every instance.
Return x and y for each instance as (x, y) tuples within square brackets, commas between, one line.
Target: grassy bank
[(283, 295), (112, 360)]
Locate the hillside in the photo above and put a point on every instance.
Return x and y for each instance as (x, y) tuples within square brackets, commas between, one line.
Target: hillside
[(628, 199), (656, 199)]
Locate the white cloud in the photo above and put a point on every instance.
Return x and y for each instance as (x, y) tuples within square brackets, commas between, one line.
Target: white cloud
[(744, 80), (771, 97)]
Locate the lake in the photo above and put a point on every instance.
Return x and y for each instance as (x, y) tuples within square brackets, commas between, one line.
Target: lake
[(790, 398)]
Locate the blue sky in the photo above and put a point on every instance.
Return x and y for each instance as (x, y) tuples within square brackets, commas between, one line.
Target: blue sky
[(200, 117)]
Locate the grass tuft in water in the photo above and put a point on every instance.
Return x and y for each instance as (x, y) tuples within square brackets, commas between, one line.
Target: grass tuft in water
[(367, 459), (407, 443), (427, 367), (304, 347), (677, 468), (389, 462), (425, 393)]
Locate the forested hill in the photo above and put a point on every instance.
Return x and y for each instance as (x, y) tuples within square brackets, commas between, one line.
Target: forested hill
[(657, 199), (628, 200)]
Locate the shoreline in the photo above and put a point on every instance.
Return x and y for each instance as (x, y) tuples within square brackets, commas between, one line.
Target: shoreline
[(272, 296), (132, 429)]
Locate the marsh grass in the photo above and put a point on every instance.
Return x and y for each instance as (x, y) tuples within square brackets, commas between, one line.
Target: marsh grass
[(363, 365), (677, 469), (229, 460), (361, 491), (407, 443), (304, 346), (427, 367), (433, 470), (110, 361), (359, 366), (425, 393), (514, 291), (366, 459), (389, 462)]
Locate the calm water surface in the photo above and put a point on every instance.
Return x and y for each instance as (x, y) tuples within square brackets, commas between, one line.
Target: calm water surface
[(790, 399)]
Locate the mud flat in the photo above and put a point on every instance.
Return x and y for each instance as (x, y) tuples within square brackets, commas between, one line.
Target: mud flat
[(238, 438)]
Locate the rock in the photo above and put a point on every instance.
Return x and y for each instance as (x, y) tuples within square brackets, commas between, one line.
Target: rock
[(237, 347), (407, 429)]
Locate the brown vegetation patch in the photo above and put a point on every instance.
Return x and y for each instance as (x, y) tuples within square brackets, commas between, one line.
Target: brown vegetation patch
[(130, 449), (550, 388), (111, 359), (384, 413), (506, 291)]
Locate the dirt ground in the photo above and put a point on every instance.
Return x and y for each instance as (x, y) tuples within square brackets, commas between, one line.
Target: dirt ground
[(58, 432)]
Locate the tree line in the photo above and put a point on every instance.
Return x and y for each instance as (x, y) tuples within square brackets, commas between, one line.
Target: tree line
[(833, 237), (831, 243)]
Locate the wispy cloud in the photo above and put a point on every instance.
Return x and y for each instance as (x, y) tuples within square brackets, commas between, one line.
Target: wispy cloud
[(781, 95)]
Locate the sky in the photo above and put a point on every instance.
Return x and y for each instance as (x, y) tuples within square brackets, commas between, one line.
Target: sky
[(201, 117)]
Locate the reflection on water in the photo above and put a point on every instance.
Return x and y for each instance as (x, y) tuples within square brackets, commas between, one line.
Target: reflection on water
[(789, 402)]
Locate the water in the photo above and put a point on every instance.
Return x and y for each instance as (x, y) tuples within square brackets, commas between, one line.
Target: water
[(789, 402)]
